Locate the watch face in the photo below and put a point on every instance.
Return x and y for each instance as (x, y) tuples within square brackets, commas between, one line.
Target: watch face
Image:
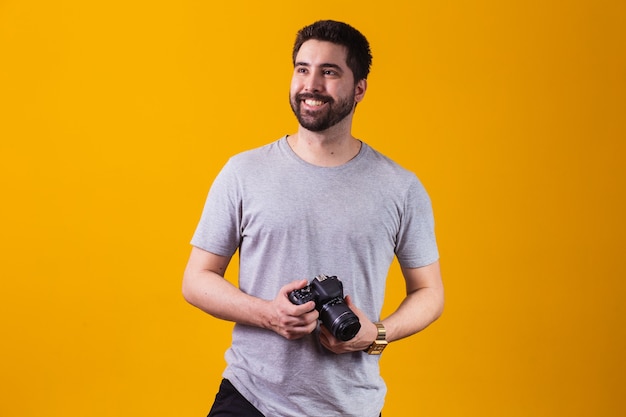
[(377, 347)]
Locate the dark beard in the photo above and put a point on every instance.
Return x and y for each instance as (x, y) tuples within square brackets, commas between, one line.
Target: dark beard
[(318, 121)]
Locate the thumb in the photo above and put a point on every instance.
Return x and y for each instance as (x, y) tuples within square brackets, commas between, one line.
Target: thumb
[(350, 303), (353, 307)]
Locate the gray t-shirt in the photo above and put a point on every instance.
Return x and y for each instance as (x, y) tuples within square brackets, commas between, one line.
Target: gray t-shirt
[(292, 220)]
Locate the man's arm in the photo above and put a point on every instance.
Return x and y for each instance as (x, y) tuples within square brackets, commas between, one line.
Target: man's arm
[(204, 287), (422, 305)]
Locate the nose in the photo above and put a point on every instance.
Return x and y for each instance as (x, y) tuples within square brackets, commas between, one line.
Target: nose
[(314, 82)]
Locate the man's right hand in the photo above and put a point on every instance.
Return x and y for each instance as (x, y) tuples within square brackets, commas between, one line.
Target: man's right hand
[(290, 320)]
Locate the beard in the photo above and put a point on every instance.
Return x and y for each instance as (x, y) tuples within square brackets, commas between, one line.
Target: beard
[(320, 120)]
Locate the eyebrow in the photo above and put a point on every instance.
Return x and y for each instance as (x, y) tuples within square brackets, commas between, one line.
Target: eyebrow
[(325, 65)]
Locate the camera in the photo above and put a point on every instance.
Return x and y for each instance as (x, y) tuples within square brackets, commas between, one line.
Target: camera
[(327, 292)]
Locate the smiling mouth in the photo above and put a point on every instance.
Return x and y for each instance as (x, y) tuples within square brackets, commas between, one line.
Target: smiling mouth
[(313, 103)]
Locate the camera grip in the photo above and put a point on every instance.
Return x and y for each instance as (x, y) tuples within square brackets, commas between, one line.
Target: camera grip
[(301, 296)]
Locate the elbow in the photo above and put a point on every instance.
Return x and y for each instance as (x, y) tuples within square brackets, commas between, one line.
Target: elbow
[(438, 311), (187, 289), (440, 304)]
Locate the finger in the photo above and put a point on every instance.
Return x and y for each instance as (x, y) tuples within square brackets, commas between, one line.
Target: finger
[(353, 307), (330, 342), (349, 302), (323, 335), (294, 285), (329, 339), (308, 307), (307, 318)]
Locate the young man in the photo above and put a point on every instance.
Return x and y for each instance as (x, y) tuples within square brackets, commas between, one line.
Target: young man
[(316, 202)]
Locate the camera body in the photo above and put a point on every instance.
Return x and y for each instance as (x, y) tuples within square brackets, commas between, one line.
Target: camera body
[(327, 292)]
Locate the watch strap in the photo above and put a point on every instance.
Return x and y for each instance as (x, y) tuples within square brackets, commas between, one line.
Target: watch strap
[(378, 345)]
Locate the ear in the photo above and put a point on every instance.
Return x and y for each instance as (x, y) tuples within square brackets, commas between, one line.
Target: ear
[(359, 90)]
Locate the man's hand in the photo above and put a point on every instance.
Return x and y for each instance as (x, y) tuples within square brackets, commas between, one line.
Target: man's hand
[(290, 320), (363, 339)]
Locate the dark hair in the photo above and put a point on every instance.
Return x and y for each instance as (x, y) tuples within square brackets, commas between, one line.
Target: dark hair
[(359, 58)]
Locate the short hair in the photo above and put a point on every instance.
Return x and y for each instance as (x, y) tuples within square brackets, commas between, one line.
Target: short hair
[(359, 58)]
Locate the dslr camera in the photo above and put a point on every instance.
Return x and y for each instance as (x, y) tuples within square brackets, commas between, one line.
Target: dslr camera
[(327, 292)]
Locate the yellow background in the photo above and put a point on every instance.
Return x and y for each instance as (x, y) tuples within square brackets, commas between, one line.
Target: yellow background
[(115, 117)]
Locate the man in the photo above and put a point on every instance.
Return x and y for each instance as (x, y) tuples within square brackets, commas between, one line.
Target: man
[(316, 202)]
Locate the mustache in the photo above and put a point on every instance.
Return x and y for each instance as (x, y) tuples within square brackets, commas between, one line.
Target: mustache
[(313, 96)]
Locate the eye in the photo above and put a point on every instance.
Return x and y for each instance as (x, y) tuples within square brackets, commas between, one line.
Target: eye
[(301, 70), (331, 72)]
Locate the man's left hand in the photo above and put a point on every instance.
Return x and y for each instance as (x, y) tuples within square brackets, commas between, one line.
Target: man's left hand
[(363, 339)]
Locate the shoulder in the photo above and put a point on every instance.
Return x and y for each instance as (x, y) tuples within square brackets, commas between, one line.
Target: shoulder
[(260, 155), (393, 180), (385, 166)]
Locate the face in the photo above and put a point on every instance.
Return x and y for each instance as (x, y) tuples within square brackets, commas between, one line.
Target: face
[(323, 92)]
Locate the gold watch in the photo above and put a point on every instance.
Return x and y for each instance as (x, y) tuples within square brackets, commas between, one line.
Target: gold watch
[(378, 345)]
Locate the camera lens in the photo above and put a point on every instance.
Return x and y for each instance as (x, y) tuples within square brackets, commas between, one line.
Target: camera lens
[(340, 320), (347, 327)]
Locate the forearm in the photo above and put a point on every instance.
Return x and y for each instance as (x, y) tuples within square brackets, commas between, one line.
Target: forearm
[(416, 312), (213, 294), (204, 287), (422, 305)]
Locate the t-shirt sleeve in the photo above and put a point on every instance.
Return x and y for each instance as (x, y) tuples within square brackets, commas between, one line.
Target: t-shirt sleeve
[(218, 230), (416, 244)]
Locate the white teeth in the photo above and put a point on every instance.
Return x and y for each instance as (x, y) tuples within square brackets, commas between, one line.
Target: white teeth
[(311, 102)]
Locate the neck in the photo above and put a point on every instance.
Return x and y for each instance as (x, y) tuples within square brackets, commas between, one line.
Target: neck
[(326, 149)]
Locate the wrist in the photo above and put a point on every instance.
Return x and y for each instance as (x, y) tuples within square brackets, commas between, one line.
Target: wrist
[(380, 343)]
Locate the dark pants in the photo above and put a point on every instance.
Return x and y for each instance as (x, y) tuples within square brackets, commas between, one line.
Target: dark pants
[(230, 403)]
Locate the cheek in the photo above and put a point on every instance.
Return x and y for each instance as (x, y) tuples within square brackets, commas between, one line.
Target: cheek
[(295, 86)]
